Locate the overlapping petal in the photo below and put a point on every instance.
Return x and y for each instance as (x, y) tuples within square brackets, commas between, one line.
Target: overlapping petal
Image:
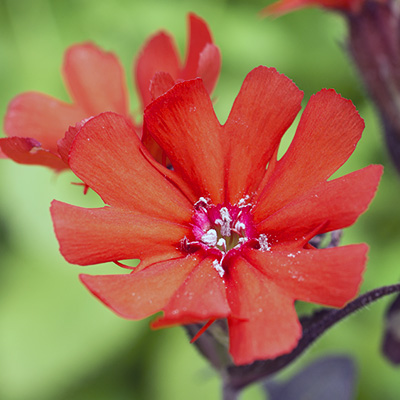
[(329, 276), (264, 109), (108, 156), (184, 124), (95, 80), (143, 293), (264, 322), (327, 134), (333, 205), (203, 57), (91, 236), (41, 117), (209, 66), (159, 54), (201, 297), (29, 151)]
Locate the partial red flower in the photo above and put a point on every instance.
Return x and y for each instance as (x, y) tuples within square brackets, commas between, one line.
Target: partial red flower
[(35, 122), (159, 63), (286, 6), (221, 236)]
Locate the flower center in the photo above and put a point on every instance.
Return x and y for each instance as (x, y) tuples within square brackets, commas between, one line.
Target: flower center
[(222, 230)]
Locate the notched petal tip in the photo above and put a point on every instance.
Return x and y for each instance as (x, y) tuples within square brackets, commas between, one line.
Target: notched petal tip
[(29, 151)]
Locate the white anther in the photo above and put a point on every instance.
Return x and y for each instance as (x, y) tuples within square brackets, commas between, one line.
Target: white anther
[(210, 238), (225, 222), (218, 267), (239, 226), (263, 241), (201, 203), (243, 202), (222, 243)]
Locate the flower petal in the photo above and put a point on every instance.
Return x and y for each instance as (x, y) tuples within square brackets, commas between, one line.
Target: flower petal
[(266, 106), (40, 117), (29, 151), (328, 132), (199, 37), (329, 276), (108, 156), (201, 297), (95, 79), (158, 54), (286, 6), (265, 323), (338, 203), (209, 66), (64, 144), (141, 294), (160, 83), (96, 235), (183, 123)]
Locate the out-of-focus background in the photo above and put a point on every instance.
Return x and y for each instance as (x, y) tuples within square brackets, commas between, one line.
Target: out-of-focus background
[(59, 342)]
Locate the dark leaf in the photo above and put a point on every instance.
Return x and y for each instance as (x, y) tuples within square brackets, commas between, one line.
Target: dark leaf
[(391, 339), (329, 378)]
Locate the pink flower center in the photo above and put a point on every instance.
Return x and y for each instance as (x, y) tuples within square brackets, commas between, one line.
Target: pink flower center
[(222, 230)]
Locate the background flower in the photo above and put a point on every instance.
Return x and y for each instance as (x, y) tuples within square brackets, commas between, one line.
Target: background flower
[(35, 123)]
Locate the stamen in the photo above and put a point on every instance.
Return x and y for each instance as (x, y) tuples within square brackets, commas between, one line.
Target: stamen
[(218, 267), (222, 243), (225, 222), (240, 226), (120, 264), (242, 202), (263, 242), (201, 203), (210, 238), (202, 330)]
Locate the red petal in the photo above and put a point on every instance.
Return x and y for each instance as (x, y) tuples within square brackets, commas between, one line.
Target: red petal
[(336, 204), (141, 294), (95, 80), (201, 297), (209, 66), (41, 117), (158, 54), (266, 106), (96, 235), (328, 132), (330, 276), (265, 323), (64, 144), (286, 6), (184, 124), (28, 151), (106, 154), (199, 37), (161, 82)]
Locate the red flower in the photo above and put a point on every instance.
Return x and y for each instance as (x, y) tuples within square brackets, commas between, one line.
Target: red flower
[(96, 83), (285, 6), (159, 54), (159, 63), (221, 236)]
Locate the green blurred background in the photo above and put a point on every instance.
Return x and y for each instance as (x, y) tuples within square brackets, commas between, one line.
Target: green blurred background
[(59, 342)]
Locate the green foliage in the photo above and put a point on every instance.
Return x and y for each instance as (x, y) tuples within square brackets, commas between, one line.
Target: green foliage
[(56, 340)]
